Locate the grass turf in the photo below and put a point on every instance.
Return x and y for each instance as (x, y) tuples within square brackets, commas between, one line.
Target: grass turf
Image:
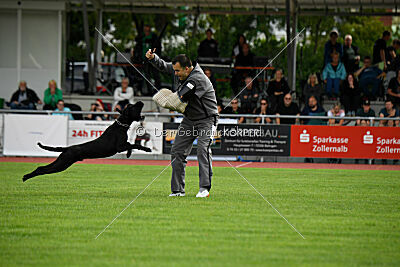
[(347, 217)]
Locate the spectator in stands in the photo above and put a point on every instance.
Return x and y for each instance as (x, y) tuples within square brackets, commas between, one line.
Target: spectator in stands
[(369, 78), (61, 107), (263, 110), (350, 57), (393, 92), (235, 109), (249, 97), (350, 95), (312, 87), (98, 106), (24, 98), (365, 112), (332, 46), (393, 62), (380, 51), (245, 59), (238, 47), (144, 42), (277, 88), (208, 47), (313, 109), (336, 111), (333, 73), (287, 108), (389, 111), (210, 76), (51, 96), (123, 95)]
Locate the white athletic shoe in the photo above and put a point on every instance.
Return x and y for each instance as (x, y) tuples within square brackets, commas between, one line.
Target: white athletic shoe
[(179, 194), (204, 193)]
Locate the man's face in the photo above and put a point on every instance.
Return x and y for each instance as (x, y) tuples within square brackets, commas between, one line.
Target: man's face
[(348, 41), (22, 86), (287, 100), (146, 30), (388, 105), (312, 102), (278, 75), (333, 38), (386, 38), (208, 73), (264, 104), (209, 35), (366, 108), (181, 72), (335, 58), (367, 62), (60, 105), (249, 83), (235, 104)]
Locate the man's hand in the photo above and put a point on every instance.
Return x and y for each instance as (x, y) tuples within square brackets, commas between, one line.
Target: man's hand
[(150, 54)]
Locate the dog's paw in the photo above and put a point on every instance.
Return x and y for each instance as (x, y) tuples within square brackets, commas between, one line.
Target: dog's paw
[(147, 149), (129, 153)]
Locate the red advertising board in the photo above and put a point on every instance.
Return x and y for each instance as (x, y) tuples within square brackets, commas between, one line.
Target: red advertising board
[(345, 142)]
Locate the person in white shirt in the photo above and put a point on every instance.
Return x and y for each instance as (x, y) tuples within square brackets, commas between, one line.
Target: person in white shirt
[(123, 95), (336, 111)]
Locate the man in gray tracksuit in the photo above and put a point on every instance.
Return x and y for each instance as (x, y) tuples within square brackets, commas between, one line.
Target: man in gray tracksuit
[(200, 121)]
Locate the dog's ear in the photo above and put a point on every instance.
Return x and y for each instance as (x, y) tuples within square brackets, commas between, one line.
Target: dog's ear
[(119, 111)]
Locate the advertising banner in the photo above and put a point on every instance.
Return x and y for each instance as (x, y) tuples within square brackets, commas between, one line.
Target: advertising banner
[(234, 139), (142, 133), (345, 142), (23, 132)]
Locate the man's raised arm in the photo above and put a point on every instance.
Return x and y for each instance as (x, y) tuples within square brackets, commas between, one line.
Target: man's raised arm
[(159, 63)]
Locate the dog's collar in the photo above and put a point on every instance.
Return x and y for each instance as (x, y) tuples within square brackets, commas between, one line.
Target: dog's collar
[(122, 124)]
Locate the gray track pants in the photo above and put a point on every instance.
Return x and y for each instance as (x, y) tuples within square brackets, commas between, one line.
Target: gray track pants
[(188, 131)]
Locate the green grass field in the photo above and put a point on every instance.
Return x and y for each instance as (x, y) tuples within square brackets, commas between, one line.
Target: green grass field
[(348, 218)]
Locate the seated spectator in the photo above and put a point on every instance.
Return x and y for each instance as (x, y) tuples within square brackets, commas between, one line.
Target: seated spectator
[(380, 51), (313, 109), (333, 73), (389, 112), (220, 106), (336, 111), (235, 109), (24, 98), (365, 112), (312, 87), (249, 97), (350, 57), (263, 110), (332, 46), (369, 78), (277, 88), (98, 106), (287, 108), (350, 95), (61, 107), (210, 76), (393, 92), (238, 47), (393, 63), (208, 47), (123, 95), (51, 96), (245, 59)]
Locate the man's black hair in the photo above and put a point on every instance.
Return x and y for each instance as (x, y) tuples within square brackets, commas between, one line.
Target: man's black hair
[(388, 100), (183, 60), (386, 33), (209, 30), (367, 57)]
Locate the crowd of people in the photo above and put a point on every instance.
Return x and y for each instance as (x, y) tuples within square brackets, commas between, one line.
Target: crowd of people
[(342, 79)]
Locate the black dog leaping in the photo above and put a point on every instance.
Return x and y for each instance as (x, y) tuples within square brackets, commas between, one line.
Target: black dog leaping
[(113, 140)]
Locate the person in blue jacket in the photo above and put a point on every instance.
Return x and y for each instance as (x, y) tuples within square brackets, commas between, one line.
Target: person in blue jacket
[(332, 75)]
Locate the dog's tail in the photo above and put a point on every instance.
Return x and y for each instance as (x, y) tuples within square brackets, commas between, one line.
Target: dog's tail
[(49, 148)]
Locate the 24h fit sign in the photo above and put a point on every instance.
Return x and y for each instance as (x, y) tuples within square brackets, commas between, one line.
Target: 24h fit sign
[(345, 142)]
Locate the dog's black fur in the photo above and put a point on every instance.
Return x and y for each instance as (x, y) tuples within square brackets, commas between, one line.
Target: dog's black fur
[(113, 140)]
